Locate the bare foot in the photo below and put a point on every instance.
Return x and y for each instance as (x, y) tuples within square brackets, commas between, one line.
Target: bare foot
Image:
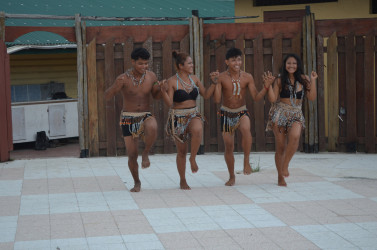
[(231, 181), (247, 169), (194, 166), (136, 187), (145, 163), (184, 185), (281, 181), (285, 172)]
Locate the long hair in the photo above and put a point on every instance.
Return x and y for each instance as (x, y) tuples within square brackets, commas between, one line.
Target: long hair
[(284, 75), (180, 58)]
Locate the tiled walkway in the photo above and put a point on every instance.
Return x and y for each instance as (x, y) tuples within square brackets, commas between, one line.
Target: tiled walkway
[(71, 203)]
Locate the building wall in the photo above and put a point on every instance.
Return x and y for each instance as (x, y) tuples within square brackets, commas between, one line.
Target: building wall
[(341, 9), (45, 68)]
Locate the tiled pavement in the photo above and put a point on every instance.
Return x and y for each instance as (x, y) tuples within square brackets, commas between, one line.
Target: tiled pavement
[(71, 203)]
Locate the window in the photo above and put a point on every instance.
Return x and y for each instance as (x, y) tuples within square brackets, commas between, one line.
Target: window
[(287, 2)]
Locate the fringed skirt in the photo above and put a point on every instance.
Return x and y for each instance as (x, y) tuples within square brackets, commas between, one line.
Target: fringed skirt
[(132, 123), (230, 118), (284, 115), (178, 122)]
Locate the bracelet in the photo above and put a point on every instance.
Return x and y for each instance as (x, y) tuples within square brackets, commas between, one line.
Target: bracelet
[(265, 87), (155, 83)]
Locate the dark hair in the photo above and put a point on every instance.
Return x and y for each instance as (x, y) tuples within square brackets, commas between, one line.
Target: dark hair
[(140, 53), (180, 58), (284, 75), (233, 52)]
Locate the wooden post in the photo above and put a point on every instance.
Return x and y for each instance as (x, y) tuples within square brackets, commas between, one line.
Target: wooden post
[(369, 83), (260, 144), (2, 26), (309, 60), (196, 51), (85, 91), (351, 137), (321, 95), (333, 92), (92, 99), (80, 83)]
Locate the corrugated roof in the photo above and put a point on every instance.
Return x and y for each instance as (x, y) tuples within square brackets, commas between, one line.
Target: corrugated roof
[(108, 8)]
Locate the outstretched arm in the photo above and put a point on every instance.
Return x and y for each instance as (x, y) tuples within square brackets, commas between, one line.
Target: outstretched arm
[(206, 93), (312, 91), (268, 80), (115, 88), (253, 90)]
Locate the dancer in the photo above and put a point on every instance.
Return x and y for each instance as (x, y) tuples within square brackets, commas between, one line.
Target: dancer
[(136, 85), (232, 85), (286, 119), (184, 118)]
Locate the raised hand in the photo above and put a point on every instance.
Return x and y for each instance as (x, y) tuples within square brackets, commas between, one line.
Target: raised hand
[(313, 75), (268, 79), (214, 76), (163, 85)]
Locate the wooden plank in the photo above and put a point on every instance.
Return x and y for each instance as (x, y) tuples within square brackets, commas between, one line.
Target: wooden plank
[(119, 69), (360, 100), (80, 87), (207, 103), (127, 50), (277, 54), (240, 43), (158, 32), (321, 95), (314, 104), (359, 26), (250, 65), (259, 106), (100, 70), (149, 46), (167, 61), (351, 88), (111, 119), (305, 104), (369, 94), (220, 65), (4, 145), (296, 44), (184, 44), (92, 99), (342, 75), (333, 93), (85, 90), (2, 26), (9, 102), (251, 30)]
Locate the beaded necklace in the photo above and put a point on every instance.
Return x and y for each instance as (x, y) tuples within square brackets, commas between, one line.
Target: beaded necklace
[(236, 84), (292, 93), (187, 86), (135, 82)]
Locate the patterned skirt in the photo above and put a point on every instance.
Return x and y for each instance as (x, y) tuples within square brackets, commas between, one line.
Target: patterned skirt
[(178, 121), (284, 115)]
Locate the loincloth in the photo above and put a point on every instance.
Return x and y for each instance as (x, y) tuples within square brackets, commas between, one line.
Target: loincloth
[(132, 123), (178, 121), (230, 118)]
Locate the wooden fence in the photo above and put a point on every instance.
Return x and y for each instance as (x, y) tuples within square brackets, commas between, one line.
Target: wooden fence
[(345, 54), (351, 83), (112, 47), (6, 141)]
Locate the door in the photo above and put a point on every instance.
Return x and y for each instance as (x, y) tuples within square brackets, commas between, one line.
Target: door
[(56, 120)]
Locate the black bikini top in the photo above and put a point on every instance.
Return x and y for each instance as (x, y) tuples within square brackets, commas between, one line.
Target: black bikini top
[(180, 95), (285, 93)]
